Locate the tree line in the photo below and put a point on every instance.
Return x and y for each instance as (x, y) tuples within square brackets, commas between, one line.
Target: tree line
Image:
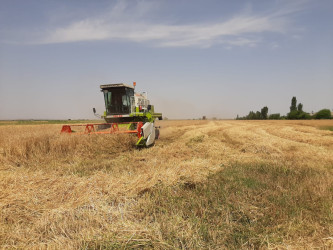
[(296, 113)]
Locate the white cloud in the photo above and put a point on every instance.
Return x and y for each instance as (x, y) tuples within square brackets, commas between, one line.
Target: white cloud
[(128, 24)]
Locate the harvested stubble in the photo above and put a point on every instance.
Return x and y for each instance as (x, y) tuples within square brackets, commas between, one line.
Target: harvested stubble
[(269, 184)]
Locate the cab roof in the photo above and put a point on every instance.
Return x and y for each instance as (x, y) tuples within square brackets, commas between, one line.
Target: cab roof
[(115, 85)]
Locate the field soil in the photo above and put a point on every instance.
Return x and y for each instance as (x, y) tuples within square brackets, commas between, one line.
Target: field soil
[(204, 184)]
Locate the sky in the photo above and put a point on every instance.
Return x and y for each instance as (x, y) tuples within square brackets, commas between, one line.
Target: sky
[(194, 57)]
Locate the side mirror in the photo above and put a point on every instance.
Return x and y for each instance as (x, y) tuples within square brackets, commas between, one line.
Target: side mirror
[(94, 110)]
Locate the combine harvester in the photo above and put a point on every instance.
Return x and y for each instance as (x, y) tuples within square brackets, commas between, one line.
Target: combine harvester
[(126, 112)]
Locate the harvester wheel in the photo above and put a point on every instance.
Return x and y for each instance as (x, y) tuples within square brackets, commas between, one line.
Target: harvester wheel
[(157, 133)]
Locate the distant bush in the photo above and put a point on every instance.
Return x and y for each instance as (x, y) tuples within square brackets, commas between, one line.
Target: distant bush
[(255, 115), (274, 116), (292, 115), (323, 114), (298, 115), (304, 116)]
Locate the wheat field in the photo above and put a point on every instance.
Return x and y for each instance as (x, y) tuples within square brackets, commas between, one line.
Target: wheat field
[(204, 184)]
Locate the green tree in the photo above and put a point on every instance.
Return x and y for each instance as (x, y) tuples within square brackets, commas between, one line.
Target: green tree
[(264, 112), (323, 114), (251, 116), (293, 104), (258, 115), (300, 107), (296, 111), (304, 116), (274, 116), (293, 115)]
